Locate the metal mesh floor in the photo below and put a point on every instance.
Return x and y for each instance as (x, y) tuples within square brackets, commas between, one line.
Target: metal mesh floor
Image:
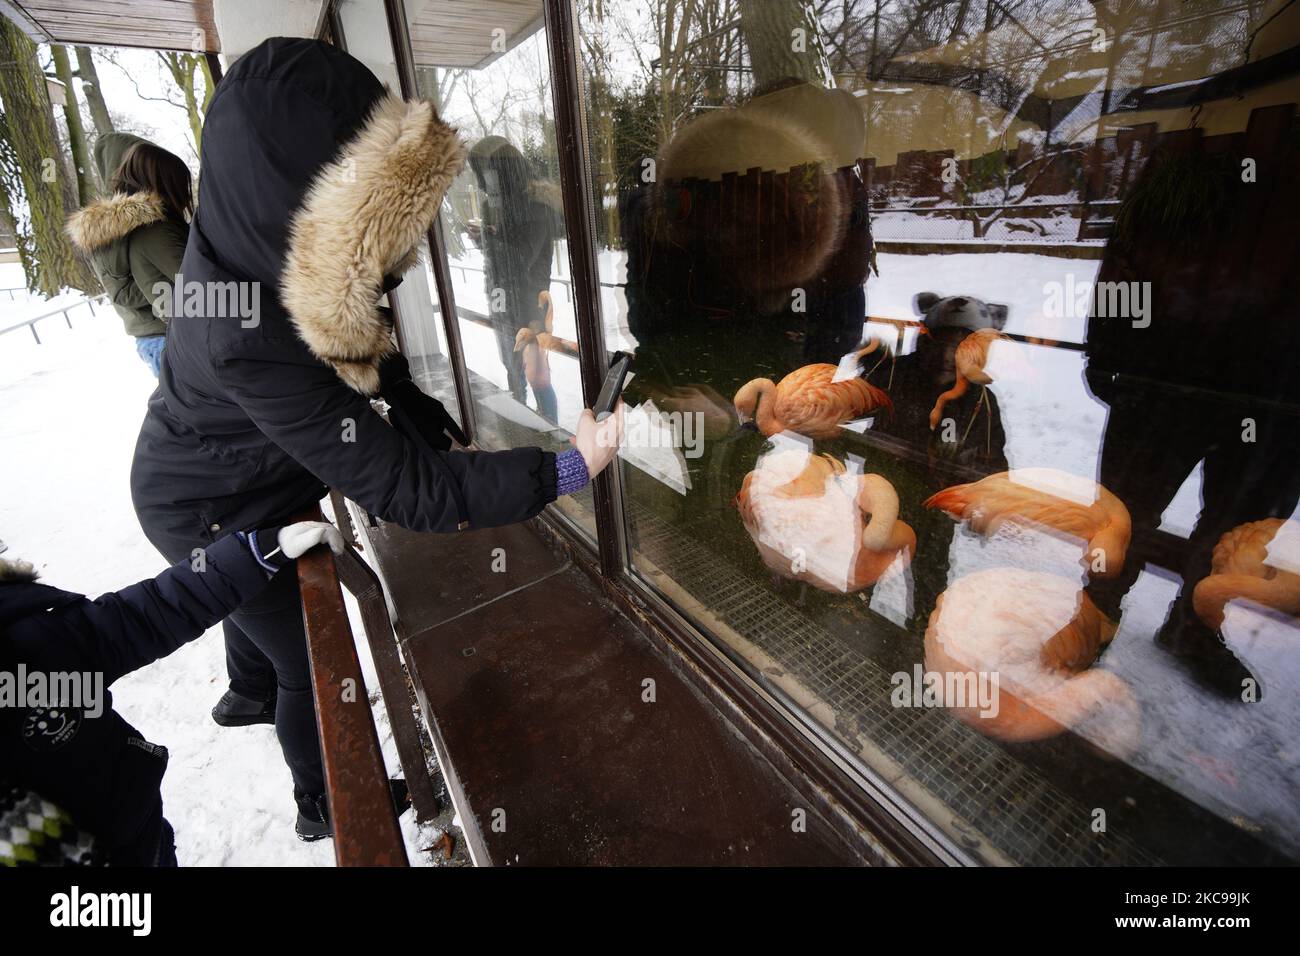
[(1022, 814)]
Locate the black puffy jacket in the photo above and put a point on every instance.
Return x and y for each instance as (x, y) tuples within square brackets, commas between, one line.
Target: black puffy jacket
[(96, 766), (317, 184)]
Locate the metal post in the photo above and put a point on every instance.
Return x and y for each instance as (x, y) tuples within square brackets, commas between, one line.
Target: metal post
[(562, 46), (400, 39)]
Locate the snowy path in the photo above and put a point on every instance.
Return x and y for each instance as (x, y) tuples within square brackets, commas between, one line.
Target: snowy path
[(72, 408)]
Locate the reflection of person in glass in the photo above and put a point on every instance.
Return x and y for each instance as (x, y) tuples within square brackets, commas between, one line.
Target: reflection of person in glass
[(520, 217), (1208, 374), (748, 247)]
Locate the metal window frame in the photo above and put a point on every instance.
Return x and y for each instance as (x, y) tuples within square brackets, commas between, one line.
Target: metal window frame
[(400, 38), (567, 95), (880, 815)]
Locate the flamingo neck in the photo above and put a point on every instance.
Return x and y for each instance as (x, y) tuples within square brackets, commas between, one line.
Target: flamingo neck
[(877, 496), (764, 414), (763, 391)]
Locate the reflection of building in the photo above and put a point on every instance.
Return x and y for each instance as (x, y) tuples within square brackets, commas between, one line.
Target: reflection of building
[(997, 153)]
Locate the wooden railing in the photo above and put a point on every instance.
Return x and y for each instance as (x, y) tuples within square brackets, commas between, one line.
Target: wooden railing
[(366, 832)]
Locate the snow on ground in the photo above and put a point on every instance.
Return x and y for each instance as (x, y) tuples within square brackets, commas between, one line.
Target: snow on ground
[(71, 411)]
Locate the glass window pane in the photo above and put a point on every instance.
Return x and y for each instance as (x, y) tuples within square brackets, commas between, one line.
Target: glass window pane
[(503, 224), (364, 33), (965, 363)]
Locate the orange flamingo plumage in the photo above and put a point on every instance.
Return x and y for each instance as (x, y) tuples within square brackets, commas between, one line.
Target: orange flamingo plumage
[(810, 400), (1040, 635), (1017, 496), (814, 523), (535, 345), (971, 357), (1238, 572)]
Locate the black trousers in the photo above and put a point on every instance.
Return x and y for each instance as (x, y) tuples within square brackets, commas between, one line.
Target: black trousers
[(266, 656), (1152, 443)]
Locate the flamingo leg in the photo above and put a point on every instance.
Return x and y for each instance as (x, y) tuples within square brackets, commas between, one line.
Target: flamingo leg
[(974, 415), (957, 391)]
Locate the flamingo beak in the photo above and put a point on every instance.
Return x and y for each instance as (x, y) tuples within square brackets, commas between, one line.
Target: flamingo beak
[(749, 424)]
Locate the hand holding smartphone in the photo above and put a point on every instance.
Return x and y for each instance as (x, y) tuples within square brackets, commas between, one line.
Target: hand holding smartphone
[(612, 388), (600, 428)]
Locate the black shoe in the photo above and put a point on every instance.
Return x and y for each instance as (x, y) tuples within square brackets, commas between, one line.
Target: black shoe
[(314, 813), (1205, 655), (236, 710), (313, 817)]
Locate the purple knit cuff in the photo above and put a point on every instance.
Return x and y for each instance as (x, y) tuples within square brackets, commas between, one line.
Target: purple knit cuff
[(570, 472)]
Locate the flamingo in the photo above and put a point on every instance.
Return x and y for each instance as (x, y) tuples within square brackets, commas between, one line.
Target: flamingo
[(535, 345), (816, 524), (1009, 496), (971, 356), (1039, 634), (1238, 571), (810, 400)]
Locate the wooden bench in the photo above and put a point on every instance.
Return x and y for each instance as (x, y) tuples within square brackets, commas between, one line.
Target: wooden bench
[(566, 737)]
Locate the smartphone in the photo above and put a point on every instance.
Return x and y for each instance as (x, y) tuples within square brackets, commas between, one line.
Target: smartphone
[(612, 387)]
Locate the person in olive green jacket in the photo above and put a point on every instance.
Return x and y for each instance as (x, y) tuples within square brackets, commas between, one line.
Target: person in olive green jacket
[(135, 237)]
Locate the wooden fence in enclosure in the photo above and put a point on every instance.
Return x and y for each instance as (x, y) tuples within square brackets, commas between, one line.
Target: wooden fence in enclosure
[(766, 219)]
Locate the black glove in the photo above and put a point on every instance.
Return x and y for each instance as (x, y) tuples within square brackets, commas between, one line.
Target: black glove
[(411, 411)]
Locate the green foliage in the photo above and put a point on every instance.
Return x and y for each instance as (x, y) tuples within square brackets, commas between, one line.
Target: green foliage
[(1178, 198), (986, 171)]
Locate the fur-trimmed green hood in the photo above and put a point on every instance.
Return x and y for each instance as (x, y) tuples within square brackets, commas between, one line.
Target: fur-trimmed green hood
[(131, 242), (106, 221)]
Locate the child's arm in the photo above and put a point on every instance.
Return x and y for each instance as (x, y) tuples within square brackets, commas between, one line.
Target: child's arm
[(127, 629)]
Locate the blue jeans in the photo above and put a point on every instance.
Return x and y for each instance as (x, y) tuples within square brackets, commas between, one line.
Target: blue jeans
[(150, 348)]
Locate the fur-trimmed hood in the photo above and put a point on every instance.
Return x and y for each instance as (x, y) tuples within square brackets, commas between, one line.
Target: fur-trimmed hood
[(319, 182), (105, 221), (16, 572), (361, 220)]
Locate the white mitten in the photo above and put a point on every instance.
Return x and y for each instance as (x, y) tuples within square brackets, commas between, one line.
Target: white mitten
[(297, 539)]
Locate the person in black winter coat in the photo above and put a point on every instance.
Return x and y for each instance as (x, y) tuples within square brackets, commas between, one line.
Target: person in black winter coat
[(1208, 374), (318, 189), (520, 219), (91, 772)]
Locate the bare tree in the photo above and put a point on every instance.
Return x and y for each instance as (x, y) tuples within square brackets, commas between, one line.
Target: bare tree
[(38, 190), (87, 181), (94, 93), (186, 69)]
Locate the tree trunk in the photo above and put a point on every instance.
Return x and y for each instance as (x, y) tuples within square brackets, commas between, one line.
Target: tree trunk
[(784, 41), (87, 181), (31, 132), (94, 93), (183, 68)]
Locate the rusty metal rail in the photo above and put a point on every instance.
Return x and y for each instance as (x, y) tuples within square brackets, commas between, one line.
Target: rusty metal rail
[(366, 832), (363, 583)]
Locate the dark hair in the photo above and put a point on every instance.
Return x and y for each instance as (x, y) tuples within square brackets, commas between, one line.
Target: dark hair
[(147, 167)]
